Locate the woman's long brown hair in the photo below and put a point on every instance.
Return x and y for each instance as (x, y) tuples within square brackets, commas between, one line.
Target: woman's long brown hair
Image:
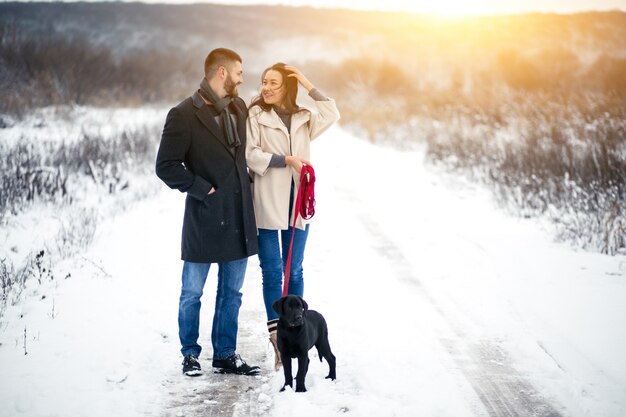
[(291, 83)]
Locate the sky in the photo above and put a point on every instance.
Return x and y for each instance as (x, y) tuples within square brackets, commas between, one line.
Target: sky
[(446, 7), (452, 8)]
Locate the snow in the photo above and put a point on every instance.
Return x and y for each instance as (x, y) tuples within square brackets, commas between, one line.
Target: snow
[(430, 293), (70, 124)]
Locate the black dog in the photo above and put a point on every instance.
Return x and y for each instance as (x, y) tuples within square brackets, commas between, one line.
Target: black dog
[(299, 329)]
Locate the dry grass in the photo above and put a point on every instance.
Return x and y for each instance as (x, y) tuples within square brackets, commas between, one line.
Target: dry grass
[(64, 175)]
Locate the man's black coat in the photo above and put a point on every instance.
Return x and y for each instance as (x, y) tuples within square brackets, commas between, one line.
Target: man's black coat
[(193, 157)]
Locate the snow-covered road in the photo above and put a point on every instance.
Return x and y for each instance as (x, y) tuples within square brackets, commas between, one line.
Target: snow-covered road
[(437, 303)]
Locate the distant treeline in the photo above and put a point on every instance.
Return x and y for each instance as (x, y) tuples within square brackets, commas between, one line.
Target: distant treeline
[(130, 53), (58, 71), (52, 71)]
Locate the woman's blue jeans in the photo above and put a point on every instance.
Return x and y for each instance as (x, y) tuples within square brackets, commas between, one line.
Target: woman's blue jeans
[(273, 263), (230, 277)]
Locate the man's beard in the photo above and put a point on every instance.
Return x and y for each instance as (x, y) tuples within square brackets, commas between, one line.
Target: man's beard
[(230, 86)]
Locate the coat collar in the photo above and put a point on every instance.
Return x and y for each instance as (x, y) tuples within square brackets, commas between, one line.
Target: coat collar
[(208, 120), (197, 100), (206, 117), (272, 120)]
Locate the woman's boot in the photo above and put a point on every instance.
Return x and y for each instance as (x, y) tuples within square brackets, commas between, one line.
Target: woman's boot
[(271, 326)]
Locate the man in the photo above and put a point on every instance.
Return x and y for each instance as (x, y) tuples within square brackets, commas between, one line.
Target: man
[(202, 154)]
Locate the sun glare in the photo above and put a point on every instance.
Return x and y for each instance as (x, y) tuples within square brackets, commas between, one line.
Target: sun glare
[(448, 8)]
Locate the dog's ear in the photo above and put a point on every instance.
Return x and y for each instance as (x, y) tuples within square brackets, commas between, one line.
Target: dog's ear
[(304, 304), (278, 306)]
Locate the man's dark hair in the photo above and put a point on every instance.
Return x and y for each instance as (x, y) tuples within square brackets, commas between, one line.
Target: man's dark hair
[(220, 57)]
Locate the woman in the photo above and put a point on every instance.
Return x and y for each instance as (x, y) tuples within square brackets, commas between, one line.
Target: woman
[(278, 144)]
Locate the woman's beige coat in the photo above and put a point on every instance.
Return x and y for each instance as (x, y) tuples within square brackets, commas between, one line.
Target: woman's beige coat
[(267, 135)]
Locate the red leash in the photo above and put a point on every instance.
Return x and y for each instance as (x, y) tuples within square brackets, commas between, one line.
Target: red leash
[(305, 207)]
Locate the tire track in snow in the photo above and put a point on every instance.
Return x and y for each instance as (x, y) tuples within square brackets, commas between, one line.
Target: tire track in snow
[(503, 391)]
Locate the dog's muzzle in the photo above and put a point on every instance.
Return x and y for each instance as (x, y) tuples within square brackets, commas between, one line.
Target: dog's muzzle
[(298, 321)]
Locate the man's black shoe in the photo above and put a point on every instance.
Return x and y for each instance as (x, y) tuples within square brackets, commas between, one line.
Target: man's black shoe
[(234, 365), (191, 366)]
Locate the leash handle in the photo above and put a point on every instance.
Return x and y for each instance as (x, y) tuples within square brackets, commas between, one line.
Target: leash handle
[(305, 207)]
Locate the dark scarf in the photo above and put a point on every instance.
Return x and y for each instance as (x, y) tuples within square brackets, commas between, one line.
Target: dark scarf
[(221, 106), (285, 116)]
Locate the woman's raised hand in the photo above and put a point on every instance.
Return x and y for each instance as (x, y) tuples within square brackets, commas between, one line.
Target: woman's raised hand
[(295, 72)]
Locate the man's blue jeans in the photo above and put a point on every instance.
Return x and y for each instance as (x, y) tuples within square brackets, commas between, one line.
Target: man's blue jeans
[(273, 264), (230, 277)]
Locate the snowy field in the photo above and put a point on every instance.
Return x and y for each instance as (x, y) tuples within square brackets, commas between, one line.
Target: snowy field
[(437, 305), (72, 123)]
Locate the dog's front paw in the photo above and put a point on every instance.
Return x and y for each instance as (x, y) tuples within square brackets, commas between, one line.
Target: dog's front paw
[(285, 387), (331, 376), (300, 388)]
